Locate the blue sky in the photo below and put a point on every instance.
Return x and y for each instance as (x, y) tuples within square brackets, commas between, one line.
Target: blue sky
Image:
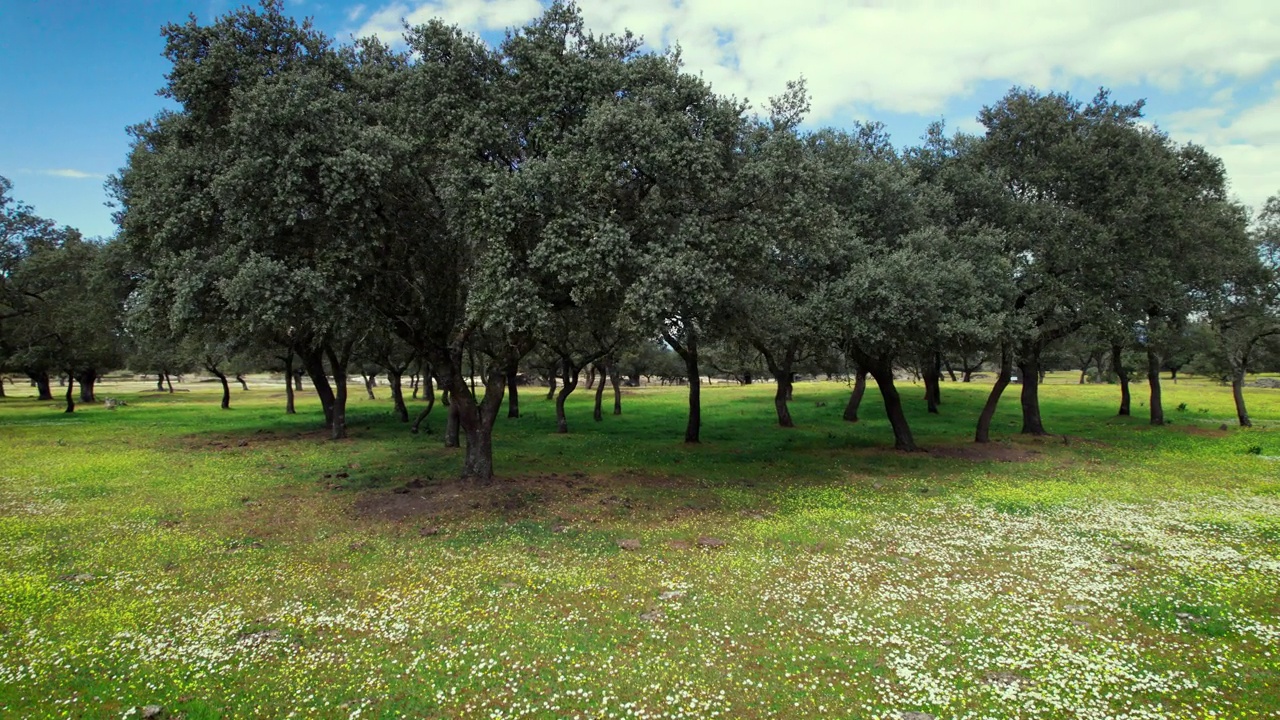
[(75, 73)]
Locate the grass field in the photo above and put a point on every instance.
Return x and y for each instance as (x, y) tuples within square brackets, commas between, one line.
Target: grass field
[(237, 564)]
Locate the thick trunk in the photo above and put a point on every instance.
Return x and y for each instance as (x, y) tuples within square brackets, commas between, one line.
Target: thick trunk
[(1237, 394), (967, 376), (397, 396), (983, 433), (429, 392), (1029, 368), (902, 439), (288, 385), (568, 385), (780, 368), (71, 386), (634, 379), (513, 394), (240, 379), (1154, 361), (477, 417), (1117, 365), (339, 367), (41, 379), (855, 398), (87, 380), (313, 363), (598, 413)]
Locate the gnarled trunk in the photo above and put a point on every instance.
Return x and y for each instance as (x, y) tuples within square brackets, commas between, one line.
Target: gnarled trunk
[(855, 397), (313, 363), (88, 379), (338, 364), (240, 379), (226, 387), (615, 379), (369, 382), (780, 368), (1029, 369), (397, 396), (428, 392), (688, 351), (932, 383), (902, 438), (1237, 394), (1154, 361), (1117, 364), (569, 383), (41, 380), (451, 425), (983, 433)]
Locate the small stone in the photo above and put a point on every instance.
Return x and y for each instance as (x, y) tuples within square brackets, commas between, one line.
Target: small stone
[(152, 711), (913, 715), (877, 485), (1080, 623), (243, 443), (79, 577), (1223, 427), (342, 476), (671, 595), (429, 531), (557, 529), (354, 466), (947, 643), (629, 544), (651, 616), (707, 541)]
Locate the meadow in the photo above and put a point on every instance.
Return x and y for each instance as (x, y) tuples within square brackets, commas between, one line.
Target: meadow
[(169, 559)]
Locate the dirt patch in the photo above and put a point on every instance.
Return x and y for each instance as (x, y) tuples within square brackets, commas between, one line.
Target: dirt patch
[(576, 493), (985, 452)]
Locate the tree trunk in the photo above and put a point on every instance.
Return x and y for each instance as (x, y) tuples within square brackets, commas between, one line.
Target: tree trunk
[(783, 377), (226, 387), (160, 381), (513, 393), (983, 433), (551, 384), (428, 392), (397, 396), (855, 398), (240, 379), (689, 353), (168, 380), (477, 417), (967, 375), (71, 386), (297, 380), (339, 367), (947, 363), (288, 385), (569, 384), (2, 387), (598, 414), (88, 379), (41, 379), (1237, 393), (1154, 361), (1117, 365), (615, 379), (451, 426), (932, 389), (902, 439), (1173, 375), (313, 363), (1029, 368), (368, 385)]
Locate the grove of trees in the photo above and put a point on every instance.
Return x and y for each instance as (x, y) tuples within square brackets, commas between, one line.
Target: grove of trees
[(569, 205)]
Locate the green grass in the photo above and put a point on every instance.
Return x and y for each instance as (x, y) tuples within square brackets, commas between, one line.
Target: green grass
[(227, 564)]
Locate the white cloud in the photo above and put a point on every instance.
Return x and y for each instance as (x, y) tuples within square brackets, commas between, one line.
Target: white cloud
[(355, 13), (1248, 142), (917, 56), (70, 173)]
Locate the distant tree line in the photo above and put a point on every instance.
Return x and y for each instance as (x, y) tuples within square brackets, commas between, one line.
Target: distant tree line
[(569, 205)]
